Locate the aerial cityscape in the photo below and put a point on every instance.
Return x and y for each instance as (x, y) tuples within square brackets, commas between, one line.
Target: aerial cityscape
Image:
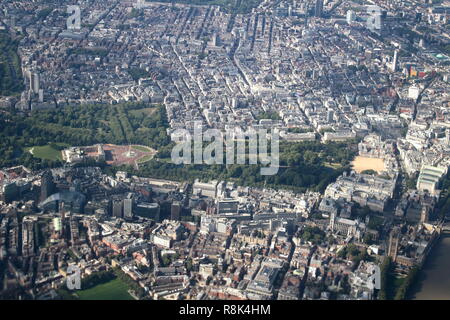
[(225, 150)]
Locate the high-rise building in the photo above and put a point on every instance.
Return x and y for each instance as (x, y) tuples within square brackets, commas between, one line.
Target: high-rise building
[(9, 192), (117, 208), (394, 239), (418, 16), (27, 237), (47, 185), (128, 208), (57, 225), (30, 79), (215, 40), (175, 211), (62, 212), (41, 95), (424, 214), (36, 82), (414, 92), (351, 16), (330, 116), (318, 8), (148, 210), (422, 43), (394, 61), (140, 4), (74, 230)]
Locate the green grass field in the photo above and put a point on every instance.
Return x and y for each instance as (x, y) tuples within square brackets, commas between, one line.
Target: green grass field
[(142, 148), (143, 112), (111, 290), (47, 152), (332, 165), (145, 159)]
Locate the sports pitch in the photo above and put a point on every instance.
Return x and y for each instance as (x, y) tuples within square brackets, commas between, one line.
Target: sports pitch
[(111, 290)]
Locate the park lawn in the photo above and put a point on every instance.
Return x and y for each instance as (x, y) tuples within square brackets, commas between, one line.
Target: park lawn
[(394, 284), (143, 112), (46, 152), (142, 148), (397, 283), (111, 290), (333, 165), (145, 158)]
